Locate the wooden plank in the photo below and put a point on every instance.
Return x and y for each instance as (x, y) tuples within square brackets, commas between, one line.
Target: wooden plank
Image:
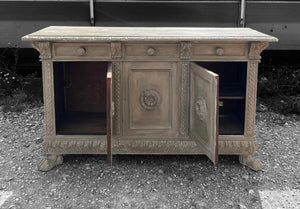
[(70, 34)]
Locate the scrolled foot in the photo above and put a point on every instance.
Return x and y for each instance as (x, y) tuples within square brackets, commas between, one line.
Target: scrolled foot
[(50, 162), (251, 162)]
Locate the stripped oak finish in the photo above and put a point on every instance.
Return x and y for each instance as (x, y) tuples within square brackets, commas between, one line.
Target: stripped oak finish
[(153, 105)]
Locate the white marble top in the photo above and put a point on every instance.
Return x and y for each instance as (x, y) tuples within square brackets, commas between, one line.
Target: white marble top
[(89, 34)]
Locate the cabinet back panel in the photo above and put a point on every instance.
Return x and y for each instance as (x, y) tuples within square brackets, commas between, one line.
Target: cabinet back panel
[(232, 76)]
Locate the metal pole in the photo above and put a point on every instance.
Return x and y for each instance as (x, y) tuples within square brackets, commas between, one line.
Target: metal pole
[(243, 13), (92, 17)]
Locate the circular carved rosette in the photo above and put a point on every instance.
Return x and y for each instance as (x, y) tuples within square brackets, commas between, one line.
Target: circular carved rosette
[(201, 109), (150, 99)]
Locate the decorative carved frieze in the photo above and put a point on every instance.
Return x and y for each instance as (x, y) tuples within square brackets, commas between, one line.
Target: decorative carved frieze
[(75, 146), (237, 147), (256, 48), (150, 99), (116, 50), (44, 48), (116, 79), (185, 50), (184, 98), (154, 146)]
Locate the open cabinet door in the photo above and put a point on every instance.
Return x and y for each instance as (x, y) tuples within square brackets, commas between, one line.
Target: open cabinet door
[(204, 110), (109, 112)]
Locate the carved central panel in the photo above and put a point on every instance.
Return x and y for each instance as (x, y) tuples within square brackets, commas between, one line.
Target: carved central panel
[(151, 105)]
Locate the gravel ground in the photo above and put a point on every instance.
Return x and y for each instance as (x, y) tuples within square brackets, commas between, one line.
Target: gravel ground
[(87, 181)]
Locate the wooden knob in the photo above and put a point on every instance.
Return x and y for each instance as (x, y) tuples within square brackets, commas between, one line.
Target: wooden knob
[(150, 51), (219, 51), (81, 51)]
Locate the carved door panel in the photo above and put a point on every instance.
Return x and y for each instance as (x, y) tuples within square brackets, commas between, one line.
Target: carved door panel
[(204, 110), (150, 99)]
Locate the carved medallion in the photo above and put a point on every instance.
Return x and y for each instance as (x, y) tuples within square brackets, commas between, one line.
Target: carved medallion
[(150, 99), (201, 109)]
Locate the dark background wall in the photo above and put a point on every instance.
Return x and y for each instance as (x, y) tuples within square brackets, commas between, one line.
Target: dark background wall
[(19, 18)]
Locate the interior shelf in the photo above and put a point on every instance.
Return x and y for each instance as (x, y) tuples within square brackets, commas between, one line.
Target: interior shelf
[(233, 91), (230, 124), (231, 116), (82, 123)]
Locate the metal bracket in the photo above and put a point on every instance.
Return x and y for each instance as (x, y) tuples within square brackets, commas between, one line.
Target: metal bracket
[(242, 21), (92, 16)]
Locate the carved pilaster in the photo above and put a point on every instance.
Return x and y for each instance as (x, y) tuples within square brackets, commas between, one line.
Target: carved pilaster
[(256, 48), (251, 98), (116, 88), (116, 50), (184, 98), (48, 90), (44, 48), (185, 50)]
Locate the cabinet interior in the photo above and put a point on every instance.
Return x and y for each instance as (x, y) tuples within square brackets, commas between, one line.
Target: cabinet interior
[(80, 97), (232, 92)]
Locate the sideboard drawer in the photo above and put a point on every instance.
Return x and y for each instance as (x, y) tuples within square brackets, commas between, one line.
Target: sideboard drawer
[(149, 51), (73, 51), (219, 50)]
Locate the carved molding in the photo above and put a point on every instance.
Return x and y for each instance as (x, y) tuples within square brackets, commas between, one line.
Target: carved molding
[(256, 48), (237, 147), (116, 50), (75, 146), (139, 146), (152, 146), (185, 50), (251, 98), (181, 146), (150, 99), (184, 98), (44, 48), (116, 74), (48, 91), (200, 108)]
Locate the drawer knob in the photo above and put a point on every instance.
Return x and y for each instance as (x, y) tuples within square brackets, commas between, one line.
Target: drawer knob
[(150, 51), (219, 51), (81, 51)]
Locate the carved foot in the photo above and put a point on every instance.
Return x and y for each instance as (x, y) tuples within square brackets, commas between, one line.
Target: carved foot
[(251, 162), (50, 162)]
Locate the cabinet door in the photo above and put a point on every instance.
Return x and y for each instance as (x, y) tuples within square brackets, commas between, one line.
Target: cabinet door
[(150, 99), (204, 110)]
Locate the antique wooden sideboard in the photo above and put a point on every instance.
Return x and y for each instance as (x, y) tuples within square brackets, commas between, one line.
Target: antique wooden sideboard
[(125, 90)]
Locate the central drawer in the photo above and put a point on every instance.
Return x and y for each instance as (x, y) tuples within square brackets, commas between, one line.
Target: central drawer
[(75, 51), (150, 51), (219, 50)]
